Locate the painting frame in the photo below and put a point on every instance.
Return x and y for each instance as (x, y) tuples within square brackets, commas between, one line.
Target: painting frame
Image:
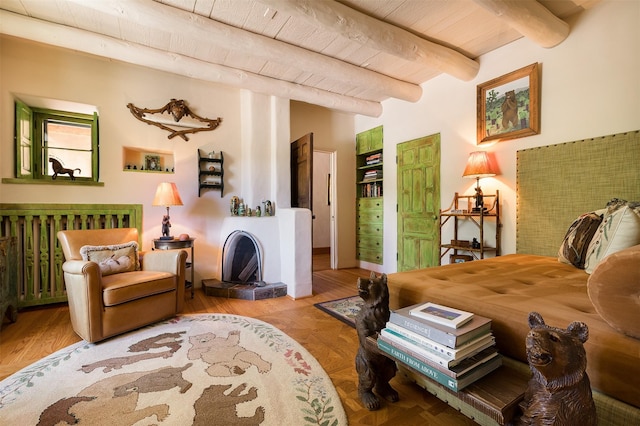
[(521, 119), (152, 163), (460, 258)]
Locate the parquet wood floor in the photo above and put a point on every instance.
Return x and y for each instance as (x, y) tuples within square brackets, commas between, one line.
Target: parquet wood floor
[(41, 331)]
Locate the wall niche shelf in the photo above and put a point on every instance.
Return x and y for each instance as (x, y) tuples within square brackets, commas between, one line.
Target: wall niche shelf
[(210, 172), (147, 161)]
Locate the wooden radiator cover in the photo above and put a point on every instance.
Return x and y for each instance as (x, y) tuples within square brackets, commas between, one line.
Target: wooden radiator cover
[(40, 258)]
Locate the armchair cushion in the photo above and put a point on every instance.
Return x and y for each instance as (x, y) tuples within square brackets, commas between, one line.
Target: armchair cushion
[(113, 259), (125, 287)]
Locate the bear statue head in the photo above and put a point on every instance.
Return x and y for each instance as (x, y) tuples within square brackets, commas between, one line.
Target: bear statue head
[(374, 290), (556, 356)]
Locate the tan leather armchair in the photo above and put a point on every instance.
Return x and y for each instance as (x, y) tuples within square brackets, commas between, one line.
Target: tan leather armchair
[(104, 306)]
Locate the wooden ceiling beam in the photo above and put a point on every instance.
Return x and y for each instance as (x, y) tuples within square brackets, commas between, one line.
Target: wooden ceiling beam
[(21, 26), (185, 24), (529, 18), (371, 32)]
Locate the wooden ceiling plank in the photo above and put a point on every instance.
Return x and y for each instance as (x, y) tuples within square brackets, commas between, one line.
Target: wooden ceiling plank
[(85, 41), (231, 12), (379, 35), (531, 19), (259, 21), (203, 30), (203, 7), (378, 8)]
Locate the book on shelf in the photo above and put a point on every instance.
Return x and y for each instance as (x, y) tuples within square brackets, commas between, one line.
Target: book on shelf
[(444, 351), (430, 354), (372, 190), (376, 156), (455, 384), (466, 365), (440, 314), (446, 335)]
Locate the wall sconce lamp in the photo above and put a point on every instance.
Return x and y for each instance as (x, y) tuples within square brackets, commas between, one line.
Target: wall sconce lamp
[(479, 166), (167, 195)]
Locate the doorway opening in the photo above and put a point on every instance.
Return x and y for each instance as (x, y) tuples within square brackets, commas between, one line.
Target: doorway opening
[(324, 202)]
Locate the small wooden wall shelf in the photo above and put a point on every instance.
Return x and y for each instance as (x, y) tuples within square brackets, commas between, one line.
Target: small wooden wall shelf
[(210, 172)]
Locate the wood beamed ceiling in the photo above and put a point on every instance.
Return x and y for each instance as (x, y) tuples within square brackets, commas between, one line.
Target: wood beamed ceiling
[(347, 55)]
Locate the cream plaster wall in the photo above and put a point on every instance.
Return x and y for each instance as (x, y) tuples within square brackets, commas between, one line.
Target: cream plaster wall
[(254, 136), (590, 87)]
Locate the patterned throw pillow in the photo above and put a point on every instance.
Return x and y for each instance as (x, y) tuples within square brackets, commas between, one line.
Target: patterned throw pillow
[(620, 228), (573, 249), (113, 259)]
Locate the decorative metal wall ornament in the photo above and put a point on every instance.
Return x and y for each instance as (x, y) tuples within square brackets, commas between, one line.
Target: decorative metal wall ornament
[(177, 109)]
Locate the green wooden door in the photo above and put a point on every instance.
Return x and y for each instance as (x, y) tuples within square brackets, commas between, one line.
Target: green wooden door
[(418, 203)]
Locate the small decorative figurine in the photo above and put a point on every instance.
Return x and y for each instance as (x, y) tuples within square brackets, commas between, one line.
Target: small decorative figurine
[(268, 208), (166, 224), (233, 207), (58, 169), (475, 243), (258, 211)]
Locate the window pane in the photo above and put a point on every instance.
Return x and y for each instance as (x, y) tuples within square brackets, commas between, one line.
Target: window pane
[(71, 160), (67, 135), (70, 145), (25, 160)]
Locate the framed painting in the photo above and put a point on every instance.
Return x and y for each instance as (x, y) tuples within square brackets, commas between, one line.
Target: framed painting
[(509, 106), (460, 258), (152, 162)]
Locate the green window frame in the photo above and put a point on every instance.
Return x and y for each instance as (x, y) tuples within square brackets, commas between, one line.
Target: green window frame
[(34, 147)]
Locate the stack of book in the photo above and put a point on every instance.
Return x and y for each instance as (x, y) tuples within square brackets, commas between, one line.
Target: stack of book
[(372, 190), (373, 159), (455, 348), (372, 174)]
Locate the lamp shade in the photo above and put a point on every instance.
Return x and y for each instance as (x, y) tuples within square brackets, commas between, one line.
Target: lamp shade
[(479, 166), (167, 195)]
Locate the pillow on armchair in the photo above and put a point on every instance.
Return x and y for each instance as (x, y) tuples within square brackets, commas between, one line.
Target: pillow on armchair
[(113, 259)]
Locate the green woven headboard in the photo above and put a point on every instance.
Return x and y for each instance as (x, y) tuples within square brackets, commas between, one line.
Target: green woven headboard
[(557, 183)]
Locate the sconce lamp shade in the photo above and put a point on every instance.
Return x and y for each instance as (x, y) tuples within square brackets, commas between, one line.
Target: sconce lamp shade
[(479, 166), (167, 195)]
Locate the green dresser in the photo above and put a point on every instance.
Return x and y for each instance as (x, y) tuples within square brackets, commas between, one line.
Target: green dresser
[(369, 206)]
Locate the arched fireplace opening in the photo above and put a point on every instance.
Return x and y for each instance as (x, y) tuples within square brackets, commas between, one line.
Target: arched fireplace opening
[(241, 259)]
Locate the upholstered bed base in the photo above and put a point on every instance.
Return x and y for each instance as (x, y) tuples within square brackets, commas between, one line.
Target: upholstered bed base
[(507, 288)]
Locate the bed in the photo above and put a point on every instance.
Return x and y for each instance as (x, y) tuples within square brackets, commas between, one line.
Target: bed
[(556, 186)]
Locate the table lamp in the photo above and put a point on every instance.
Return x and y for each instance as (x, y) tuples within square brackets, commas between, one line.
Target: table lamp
[(479, 166), (167, 195)]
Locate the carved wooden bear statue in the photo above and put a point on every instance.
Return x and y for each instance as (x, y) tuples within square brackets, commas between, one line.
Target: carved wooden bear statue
[(374, 369), (559, 392)]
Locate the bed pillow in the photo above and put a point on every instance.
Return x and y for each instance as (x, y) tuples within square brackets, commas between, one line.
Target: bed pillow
[(113, 259), (613, 290), (620, 229), (573, 250)]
